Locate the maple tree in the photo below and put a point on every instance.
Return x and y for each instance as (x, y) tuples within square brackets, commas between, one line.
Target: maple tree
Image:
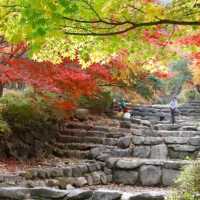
[(114, 40), (68, 80), (96, 28)]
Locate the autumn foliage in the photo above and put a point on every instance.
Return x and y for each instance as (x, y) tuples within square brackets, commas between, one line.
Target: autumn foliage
[(67, 80)]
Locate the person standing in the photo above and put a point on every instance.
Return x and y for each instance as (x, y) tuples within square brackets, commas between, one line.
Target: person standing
[(123, 105), (173, 106)]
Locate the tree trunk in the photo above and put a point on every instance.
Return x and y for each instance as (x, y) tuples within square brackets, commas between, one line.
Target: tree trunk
[(1, 89)]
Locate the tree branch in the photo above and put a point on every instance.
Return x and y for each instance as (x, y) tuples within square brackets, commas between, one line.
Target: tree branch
[(137, 25)]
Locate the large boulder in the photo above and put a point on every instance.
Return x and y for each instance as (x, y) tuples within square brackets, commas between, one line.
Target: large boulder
[(128, 163), (14, 193), (159, 151), (169, 176), (124, 142), (106, 195), (127, 177), (142, 151), (79, 194), (47, 193), (148, 196), (150, 175), (82, 114), (125, 124)]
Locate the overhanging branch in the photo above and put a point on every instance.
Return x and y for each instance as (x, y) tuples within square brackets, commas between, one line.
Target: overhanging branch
[(137, 25)]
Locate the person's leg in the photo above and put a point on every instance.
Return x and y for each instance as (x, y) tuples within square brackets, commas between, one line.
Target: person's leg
[(173, 116)]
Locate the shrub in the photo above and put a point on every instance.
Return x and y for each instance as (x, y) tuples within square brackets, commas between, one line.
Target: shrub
[(188, 183), (25, 114), (100, 103)]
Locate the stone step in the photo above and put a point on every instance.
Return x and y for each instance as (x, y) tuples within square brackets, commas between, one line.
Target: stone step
[(83, 133), (46, 193), (83, 173), (95, 140), (166, 147), (115, 133), (65, 153), (75, 125), (145, 172), (79, 146), (179, 126), (166, 133), (152, 140)]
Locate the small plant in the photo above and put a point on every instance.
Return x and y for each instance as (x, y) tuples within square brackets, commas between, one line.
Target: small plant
[(188, 183)]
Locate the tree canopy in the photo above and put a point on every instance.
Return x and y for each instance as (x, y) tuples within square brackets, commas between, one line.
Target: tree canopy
[(119, 43), (96, 28)]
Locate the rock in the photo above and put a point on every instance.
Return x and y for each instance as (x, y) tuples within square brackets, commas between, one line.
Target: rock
[(83, 168), (107, 171), (103, 179), (146, 123), (125, 124), (124, 142), (82, 114), (195, 141), (80, 182), (41, 173), (150, 175), (76, 172), (135, 121), (30, 184), (92, 167), (186, 148), (109, 178), (63, 182), (35, 183), (55, 172), (176, 140), (43, 193), (142, 151), (106, 195), (94, 152), (96, 178), (69, 187), (148, 196), (159, 151), (127, 177), (153, 140), (89, 179), (31, 174), (111, 162), (128, 164), (179, 154), (14, 193), (121, 152), (52, 183), (79, 194), (67, 171), (138, 140), (103, 157), (169, 176), (175, 164)]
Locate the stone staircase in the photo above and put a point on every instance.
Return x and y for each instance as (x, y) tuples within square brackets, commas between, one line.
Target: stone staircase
[(139, 152), (152, 112)]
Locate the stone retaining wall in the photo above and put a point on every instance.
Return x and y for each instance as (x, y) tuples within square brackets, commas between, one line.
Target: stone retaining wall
[(92, 173), (166, 147), (145, 172)]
